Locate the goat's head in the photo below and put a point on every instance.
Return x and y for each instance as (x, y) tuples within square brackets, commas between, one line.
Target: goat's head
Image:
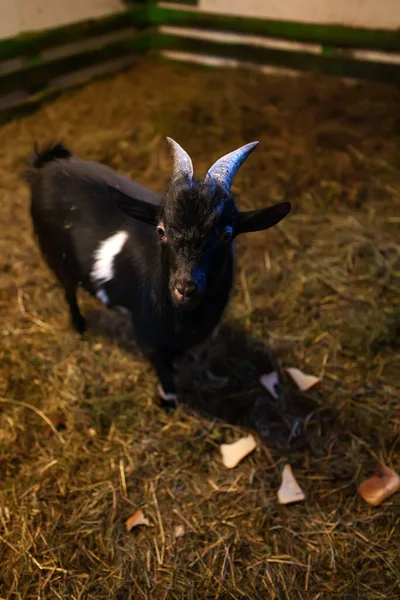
[(197, 221)]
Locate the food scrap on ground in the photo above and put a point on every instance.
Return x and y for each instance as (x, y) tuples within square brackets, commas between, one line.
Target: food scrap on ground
[(290, 491), (136, 519), (379, 487), (232, 454), (179, 531), (303, 381), (270, 381)]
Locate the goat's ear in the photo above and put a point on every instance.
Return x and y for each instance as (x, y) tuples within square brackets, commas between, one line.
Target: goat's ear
[(134, 208), (264, 218)]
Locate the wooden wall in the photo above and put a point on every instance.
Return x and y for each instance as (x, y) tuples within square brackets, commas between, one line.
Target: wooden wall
[(360, 38), (49, 45), (373, 14), (19, 16)]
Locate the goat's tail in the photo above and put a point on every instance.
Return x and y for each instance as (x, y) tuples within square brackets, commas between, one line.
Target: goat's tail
[(40, 158)]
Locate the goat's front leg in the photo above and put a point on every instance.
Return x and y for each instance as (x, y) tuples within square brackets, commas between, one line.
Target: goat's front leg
[(163, 363)]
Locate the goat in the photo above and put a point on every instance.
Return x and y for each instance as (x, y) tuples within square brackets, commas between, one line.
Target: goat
[(167, 261)]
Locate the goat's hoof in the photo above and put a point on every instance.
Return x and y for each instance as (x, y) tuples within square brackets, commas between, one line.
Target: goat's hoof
[(79, 325), (169, 405)]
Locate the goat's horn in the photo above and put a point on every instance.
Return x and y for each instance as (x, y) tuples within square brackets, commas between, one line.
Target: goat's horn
[(224, 170), (182, 166)]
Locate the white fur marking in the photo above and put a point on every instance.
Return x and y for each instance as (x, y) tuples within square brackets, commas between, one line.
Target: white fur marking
[(123, 310), (102, 296), (166, 396), (103, 268)]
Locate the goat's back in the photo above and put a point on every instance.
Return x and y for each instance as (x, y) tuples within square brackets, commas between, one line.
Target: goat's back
[(73, 213)]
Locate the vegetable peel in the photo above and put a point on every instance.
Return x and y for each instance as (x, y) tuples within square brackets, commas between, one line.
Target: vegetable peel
[(379, 487), (290, 491), (270, 381), (136, 519), (232, 454), (303, 381)]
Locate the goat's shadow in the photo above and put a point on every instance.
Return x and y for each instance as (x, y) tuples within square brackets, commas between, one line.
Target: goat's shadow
[(221, 381)]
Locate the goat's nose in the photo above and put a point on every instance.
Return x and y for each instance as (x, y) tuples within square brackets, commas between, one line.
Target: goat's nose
[(186, 289)]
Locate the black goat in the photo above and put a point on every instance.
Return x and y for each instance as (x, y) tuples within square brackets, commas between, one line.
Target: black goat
[(167, 261)]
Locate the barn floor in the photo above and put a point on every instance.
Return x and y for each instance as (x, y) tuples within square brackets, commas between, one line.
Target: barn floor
[(320, 292)]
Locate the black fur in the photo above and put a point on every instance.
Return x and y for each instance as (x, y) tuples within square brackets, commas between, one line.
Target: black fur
[(39, 158), (174, 273)]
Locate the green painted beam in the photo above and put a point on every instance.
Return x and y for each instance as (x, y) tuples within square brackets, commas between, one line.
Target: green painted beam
[(332, 65), (33, 77), (47, 91), (330, 35)]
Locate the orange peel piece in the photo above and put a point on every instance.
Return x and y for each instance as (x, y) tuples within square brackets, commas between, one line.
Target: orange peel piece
[(136, 519), (379, 487)]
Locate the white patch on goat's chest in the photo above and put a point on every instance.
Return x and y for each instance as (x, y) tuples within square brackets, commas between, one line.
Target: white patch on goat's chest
[(104, 257)]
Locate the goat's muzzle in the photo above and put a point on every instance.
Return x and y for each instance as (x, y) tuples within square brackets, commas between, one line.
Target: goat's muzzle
[(187, 293)]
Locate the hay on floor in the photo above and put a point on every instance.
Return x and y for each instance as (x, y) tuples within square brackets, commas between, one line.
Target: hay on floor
[(319, 292)]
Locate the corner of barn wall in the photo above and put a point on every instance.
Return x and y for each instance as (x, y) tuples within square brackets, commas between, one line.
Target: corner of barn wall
[(46, 47)]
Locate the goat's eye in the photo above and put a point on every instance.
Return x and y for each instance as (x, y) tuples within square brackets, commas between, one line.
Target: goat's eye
[(226, 235), (161, 232)]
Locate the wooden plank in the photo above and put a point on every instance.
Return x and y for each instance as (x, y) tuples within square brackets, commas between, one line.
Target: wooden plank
[(223, 37), (329, 35), (332, 65), (19, 104), (33, 77)]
